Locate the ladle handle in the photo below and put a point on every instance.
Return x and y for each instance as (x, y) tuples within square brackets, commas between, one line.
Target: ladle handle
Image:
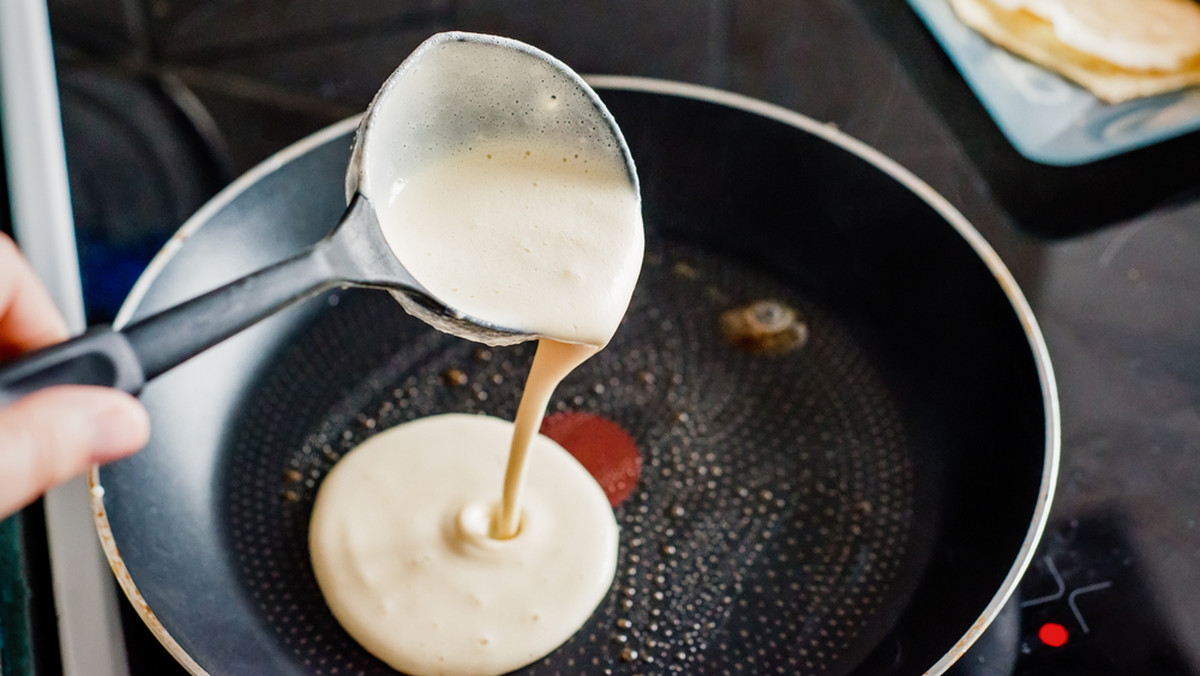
[(126, 359), (99, 357)]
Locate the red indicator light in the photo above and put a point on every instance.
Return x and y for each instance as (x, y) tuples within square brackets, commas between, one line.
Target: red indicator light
[(1053, 634)]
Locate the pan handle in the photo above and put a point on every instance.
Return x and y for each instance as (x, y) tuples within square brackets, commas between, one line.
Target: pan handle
[(127, 359)]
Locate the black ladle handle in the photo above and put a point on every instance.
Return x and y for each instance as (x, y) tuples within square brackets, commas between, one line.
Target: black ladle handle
[(128, 358)]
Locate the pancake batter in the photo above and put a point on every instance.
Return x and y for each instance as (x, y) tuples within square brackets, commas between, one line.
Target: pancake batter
[(420, 555), (400, 535), (539, 238)]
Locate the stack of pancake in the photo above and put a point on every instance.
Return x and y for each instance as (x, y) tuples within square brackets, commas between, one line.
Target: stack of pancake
[(1118, 49)]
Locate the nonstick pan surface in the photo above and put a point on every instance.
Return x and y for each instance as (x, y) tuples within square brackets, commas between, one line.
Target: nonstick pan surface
[(862, 504)]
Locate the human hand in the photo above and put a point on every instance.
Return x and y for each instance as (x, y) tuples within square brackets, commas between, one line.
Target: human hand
[(53, 434)]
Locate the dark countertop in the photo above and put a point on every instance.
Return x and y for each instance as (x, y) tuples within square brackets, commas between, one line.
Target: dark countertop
[(1105, 252)]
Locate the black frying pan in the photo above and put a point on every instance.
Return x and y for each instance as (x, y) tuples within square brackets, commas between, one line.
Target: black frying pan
[(864, 504)]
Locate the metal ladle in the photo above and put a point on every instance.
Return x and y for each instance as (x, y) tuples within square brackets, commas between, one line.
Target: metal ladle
[(454, 90)]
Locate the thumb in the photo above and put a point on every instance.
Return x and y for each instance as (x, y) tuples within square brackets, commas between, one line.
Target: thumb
[(53, 434)]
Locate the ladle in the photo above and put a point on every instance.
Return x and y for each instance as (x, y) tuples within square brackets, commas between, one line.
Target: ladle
[(455, 89)]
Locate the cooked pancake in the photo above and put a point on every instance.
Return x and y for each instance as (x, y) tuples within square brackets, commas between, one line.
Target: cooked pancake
[(1118, 49)]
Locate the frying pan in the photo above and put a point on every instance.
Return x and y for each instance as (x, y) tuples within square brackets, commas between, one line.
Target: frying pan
[(862, 504)]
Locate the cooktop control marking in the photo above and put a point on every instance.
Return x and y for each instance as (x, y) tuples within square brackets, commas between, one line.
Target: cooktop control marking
[(1084, 590), (1058, 580)]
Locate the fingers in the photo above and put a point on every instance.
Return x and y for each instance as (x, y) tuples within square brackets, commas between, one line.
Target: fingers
[(28, 318), (54, 434)]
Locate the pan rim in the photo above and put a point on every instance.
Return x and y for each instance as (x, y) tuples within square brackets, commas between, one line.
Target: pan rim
[(825, 131)]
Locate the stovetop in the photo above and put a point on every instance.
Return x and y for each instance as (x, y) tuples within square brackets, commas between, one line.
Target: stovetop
[(189, 94)]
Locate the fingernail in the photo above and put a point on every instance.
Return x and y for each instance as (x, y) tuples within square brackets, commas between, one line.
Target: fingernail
[(119, 426)]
